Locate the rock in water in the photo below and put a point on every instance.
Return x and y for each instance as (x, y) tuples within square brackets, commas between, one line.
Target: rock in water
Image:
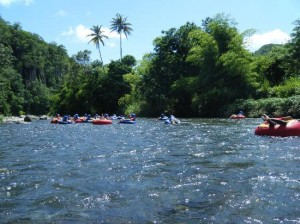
[(27, 119)]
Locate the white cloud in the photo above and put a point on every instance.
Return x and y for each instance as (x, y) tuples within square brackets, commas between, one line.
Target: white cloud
[(62, 13), (109, 34), (68, 32), (5, 2), (80, 34), (111, 44), (9, 2), (273, 37)]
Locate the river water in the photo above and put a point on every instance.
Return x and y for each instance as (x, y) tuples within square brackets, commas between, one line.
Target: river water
[(200, 171)]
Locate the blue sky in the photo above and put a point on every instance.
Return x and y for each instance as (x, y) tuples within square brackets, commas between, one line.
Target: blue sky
[(67, 22)]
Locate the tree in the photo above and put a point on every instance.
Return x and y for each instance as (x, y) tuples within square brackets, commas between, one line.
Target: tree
[(97, 38), (117, 87), (224, 66), (294, 49), (120, 25), (223, 29), (164, 67), (83, 57), (11, 85)]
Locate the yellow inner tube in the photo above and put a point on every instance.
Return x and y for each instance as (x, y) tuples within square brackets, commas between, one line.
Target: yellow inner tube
[(263, 126)]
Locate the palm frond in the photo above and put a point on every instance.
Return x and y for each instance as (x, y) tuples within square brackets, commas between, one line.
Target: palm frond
[(97, 37)]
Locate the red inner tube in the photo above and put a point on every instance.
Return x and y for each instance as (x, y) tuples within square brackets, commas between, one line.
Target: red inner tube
[(101, 121), (292, 128)]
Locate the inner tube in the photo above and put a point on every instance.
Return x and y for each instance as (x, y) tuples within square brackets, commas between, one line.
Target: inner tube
[(79, 120), (239, 116), (65, 122), (174, 121), (292, 128), (54, 121), (101, 121), (127, 121), (163, 118)]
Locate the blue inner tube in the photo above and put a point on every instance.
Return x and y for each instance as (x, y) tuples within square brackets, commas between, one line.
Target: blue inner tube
[(65, 122), (127, 122), (163, 118)]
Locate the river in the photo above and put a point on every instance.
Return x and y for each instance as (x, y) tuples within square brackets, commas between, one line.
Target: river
[(200, 171)]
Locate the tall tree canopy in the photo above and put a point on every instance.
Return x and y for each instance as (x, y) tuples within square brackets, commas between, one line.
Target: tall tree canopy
[(97, 38), (197, 71), (294, 49), (202, 71), (31, 70), (120, 25)]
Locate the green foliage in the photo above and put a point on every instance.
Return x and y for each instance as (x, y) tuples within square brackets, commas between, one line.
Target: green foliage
[(130, 102), (276, 71), (11, 92), (21, 113), (222, 29), (274, 107), (30, 70), (265, 49), (224, 66), (193, 71), (83, 58), (288, 88), (164, 67), (294, 50), (183, 89), (39, 100), (292, 106), (201, 72), (91, 88), (97, 38), (204, 51), (120, 25)]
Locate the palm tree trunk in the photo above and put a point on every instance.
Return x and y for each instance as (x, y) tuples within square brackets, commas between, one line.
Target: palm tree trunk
[(100, 55), (120, 46)]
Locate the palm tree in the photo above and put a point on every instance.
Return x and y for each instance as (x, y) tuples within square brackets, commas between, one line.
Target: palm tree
[(97, 38), (120, 25)]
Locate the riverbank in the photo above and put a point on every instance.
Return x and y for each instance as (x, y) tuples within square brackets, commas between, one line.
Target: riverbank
[(23, 119)]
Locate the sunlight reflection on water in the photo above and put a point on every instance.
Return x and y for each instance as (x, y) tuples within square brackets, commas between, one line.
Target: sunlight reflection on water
[(203, 170)]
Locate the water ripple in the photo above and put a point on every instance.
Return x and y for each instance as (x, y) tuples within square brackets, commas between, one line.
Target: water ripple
[(201, 171)]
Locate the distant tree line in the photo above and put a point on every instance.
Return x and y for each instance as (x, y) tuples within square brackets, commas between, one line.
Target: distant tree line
[(193, 71)]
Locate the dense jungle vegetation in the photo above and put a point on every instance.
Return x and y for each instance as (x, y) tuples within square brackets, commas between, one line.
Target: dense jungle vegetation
[(194, 71)]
